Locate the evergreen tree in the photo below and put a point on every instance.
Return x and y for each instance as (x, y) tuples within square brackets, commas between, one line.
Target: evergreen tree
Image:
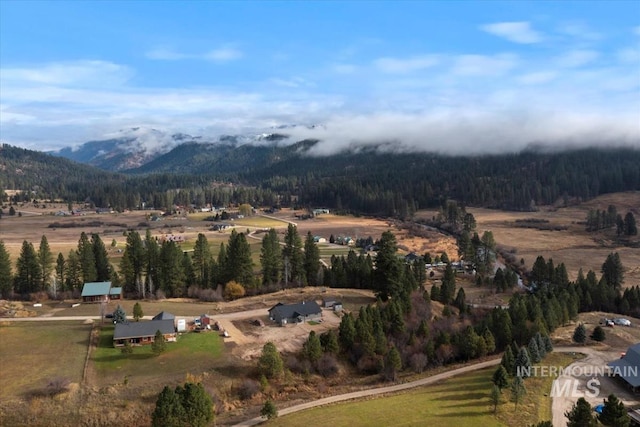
[(612, 270), (542, 349), (312, 349), (311, 262), (196, 404), (87, 259), (508, 361), (523, 363), (548, 344), (581, 415), (269, 410), (6, 275), (614, 413), (159, 344), (461, 301), (500, 378), (137, 312), (103, 271), (45, 260), (293, 258), (168, 410), (580, 334), (61, 271), (271, 258), (171, 269), (598, 334), (534, 353), (448, 288), (239, 263), (270, 363), (518, 390), (388, 268), (73, 281), (347, 332), (495, 398), (133, 263), (151, 261), (392, 364), (630, 228), (119, 315), (202, 261), (28, 272), (330, 342)]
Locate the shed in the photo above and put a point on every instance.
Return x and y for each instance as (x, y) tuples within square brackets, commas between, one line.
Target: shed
[(628, 367), (337, 306)]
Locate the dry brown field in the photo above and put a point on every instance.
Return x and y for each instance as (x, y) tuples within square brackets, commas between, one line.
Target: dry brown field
[(575, 247)]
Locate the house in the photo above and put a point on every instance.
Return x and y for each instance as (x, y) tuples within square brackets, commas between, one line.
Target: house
[(141, 333), (411, 257), (100, 292), (628, 367), (295, 313)]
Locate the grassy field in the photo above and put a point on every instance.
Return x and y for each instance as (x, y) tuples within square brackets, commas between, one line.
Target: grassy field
[(192, 352), (34, 353), (460, 401)]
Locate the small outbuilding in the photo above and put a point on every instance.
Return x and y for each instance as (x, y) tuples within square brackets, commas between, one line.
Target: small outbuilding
[(295, 313), (628, 367)]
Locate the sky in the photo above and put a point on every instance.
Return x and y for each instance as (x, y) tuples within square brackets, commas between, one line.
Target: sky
[(443, 76)]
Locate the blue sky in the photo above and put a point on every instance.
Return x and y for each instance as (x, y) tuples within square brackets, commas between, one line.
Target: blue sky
[(436, 76)]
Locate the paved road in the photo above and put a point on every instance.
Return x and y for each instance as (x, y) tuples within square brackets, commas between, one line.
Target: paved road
[(375, 391)]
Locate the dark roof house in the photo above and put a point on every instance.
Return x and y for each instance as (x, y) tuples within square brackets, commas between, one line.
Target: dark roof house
[(628, 366), (139, 333), (295, 313)]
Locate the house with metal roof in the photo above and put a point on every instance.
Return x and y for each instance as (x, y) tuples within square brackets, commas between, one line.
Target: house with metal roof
[(295, 313), (100, 292), (628, 367), (142, 333)]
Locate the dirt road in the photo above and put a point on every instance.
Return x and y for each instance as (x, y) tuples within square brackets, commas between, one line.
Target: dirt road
[(375, 391)]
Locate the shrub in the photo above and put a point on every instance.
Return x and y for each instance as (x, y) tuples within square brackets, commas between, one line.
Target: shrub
[(248, 388), (327, 365)]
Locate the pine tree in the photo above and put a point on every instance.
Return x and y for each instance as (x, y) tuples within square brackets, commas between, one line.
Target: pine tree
[(534, 353), (495, 398), (614, 413), (388, 268), (133, 263), (137, 312), (202, 261), (61, 271), (28, 273), (630, 227), (119, 316), (171, 269), (548, 344), (239, 263), (151, 261), (312, 349), (103, 271), (612, 270), (580, 334), (73, 281), (581, 415), (598, 334), (197, 404), (271, 258), (169, 410), (500, 378), (518, 390), (270, 363), (461, 301), (45, 260), (542, 349), (293, 258), (87, 259), (330, 342), (392, 364), (523, 363), (269, 410), (6, 275), (347, 332), (448, 288), (508, 361), (159, 343), (311, 262)]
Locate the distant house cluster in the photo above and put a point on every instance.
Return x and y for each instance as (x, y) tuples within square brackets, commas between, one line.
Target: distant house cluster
[(100, 292)]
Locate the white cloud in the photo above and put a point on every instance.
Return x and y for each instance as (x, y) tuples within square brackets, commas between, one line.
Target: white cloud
[(222, 54), (577, 58), (580, 31), (636, 30), (484, 65), (630, 55), (72, 73), (538, 77), (516, 32), (406, 65)]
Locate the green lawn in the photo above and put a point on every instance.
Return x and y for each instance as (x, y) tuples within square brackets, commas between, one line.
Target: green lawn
[(460, 401), (192, 353), (31, 354)]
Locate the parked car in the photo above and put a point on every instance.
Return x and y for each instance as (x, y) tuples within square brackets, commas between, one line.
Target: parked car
[(622, 322), (607, 322), (108, 316)]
